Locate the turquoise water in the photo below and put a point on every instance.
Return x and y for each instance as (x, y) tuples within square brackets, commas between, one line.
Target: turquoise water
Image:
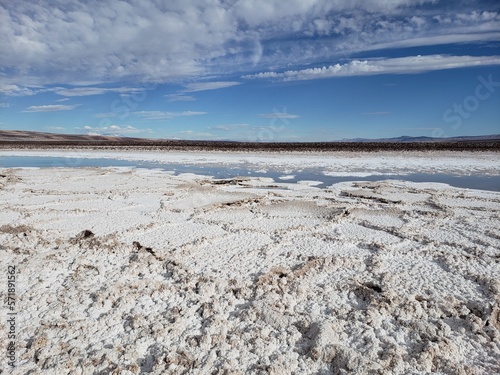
[(491, 183)]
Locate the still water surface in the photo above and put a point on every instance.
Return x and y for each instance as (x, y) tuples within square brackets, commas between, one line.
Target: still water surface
[(471, 181)]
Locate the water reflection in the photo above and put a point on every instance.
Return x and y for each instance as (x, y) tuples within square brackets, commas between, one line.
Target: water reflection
[(293, 176)]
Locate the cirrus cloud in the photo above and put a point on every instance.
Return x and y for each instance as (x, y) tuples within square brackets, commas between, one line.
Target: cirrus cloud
[(279, 115), (229, 127), (203, 86), (50, 108), (180, 98), (88, 91), (160, 115), (400, 65)]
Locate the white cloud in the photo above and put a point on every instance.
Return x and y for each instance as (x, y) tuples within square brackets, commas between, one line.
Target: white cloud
[(88, 43), (199, 86), (261, 12), (203, 86), (229, 127), (15, 90), (434, 40), (180, 98), (115, 130), (191, 134), (50, 108), (418, 21), (160, 115), (4, 105), (473, 16), (87, 91), (55, 128), (411, 64), (62, 100), (9, 89), (279, 115)]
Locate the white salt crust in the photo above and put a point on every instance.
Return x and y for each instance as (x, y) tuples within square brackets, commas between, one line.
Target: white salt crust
[(191, 275)]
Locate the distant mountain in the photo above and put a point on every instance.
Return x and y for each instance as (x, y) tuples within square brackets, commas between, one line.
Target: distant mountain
[(30, 136), (21, 136), (407, 139)]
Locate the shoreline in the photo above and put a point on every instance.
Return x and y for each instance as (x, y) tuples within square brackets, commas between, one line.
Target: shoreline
[(267, 150), (214, 146), (330, 163)]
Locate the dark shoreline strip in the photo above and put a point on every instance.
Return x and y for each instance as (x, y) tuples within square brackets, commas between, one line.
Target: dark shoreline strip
[(177, 145)]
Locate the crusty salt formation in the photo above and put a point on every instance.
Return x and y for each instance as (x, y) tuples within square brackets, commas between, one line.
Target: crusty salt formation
[(126, 271)]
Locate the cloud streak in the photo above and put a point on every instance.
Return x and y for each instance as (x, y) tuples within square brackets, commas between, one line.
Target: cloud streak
[(88, 91), (279, 115), (400, 65), (160, 115), (114, 130), (50, 108), (180, 98), (203, 86), (15, 90), (229, 127)]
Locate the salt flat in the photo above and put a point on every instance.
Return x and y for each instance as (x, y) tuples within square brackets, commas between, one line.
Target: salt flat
[(130, 271), (331, 163)]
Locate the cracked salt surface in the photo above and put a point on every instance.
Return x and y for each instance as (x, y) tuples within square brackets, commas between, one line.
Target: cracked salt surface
[(140, 271)]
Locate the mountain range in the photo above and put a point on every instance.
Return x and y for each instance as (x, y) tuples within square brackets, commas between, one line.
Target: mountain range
[(31, 136), (406, 138)]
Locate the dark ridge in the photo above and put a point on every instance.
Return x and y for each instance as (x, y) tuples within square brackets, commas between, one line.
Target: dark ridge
[(34, 140), (253, 146)]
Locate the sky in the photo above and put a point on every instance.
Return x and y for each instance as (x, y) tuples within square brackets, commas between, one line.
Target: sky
[(251, 70)]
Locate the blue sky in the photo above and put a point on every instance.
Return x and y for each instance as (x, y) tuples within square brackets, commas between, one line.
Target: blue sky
[(261, 70)]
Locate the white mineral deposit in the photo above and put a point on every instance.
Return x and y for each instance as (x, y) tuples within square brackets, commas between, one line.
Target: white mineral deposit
[(128, 271)]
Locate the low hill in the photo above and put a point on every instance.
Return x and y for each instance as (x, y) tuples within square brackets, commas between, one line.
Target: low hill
[(30, 136), (405, 138), (17, 139)]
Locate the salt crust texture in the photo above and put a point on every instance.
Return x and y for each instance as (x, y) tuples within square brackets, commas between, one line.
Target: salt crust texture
[(124, 271)]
